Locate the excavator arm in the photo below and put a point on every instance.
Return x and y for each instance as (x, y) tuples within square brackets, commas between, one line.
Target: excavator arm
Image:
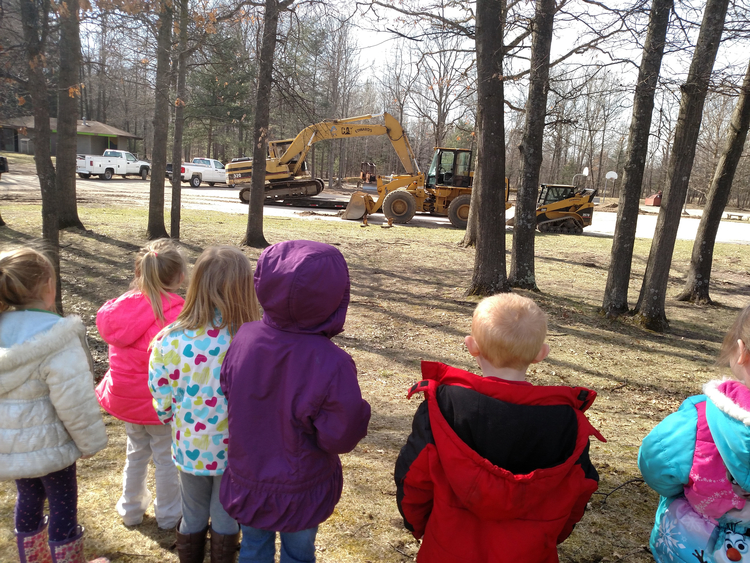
[(348, 128)]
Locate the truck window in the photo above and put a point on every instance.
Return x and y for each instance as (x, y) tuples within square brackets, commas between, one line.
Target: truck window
[(218, 165), (203, 161), (113, 154), (130, 157)]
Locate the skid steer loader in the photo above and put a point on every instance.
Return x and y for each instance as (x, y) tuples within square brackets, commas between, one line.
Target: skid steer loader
[(564, 209)]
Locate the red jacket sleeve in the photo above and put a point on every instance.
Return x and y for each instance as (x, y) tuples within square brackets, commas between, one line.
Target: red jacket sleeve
[(414, 486)]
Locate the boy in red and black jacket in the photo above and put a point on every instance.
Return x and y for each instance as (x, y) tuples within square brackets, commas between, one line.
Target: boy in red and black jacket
[(496, 469)]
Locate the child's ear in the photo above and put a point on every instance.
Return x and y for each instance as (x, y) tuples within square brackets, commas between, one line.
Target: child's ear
[(743, 354), (472, 346), (543, 353)]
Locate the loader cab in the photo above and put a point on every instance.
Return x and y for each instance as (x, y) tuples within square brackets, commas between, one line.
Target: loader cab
[(451, 167), (552, 193)]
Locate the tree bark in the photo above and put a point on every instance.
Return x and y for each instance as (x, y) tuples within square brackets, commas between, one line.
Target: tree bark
[(651, 302), (618, 277), (489, 274), (254, 235), (699, 275), (35, 30), (156, 227), (68, 92), (179, 122), (522, 272)]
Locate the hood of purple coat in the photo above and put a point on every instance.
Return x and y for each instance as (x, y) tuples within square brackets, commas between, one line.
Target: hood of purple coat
[(303, 287)]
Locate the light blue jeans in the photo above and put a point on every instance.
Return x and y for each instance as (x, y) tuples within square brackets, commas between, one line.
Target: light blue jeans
[(200, 500), (258, 546)]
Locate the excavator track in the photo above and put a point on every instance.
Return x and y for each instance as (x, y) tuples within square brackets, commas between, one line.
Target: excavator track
[(563, 225), (291, 189)]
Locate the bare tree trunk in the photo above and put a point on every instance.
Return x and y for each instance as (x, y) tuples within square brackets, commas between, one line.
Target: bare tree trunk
[(179, 121), (699, 275), (35, 31), (618, 278), (156, 227), (489, 274), (254, 235), (651, 302), (68, 91), (522, 272)]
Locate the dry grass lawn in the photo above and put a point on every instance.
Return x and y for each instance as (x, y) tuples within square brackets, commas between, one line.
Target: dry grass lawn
[(408, 304)]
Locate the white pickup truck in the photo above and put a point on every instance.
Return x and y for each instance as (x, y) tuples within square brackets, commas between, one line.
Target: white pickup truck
[(206, 170), (111, 163)]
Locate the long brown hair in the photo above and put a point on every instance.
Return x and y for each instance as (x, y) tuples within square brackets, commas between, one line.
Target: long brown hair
[(222, 279), (159, 269), (23, 273)]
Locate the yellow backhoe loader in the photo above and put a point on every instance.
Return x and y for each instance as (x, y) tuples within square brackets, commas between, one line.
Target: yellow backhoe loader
[(445, 191), (286, 169)]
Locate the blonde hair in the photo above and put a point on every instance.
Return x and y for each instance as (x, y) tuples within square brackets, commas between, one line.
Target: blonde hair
[(222, 279), (159, 270), (740, 330), (509, 330), (23, 273)]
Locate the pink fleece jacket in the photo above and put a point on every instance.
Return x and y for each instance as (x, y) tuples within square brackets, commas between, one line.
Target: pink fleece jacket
[(128, 325)]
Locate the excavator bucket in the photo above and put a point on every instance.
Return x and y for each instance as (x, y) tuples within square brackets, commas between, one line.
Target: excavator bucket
[(357, 206)]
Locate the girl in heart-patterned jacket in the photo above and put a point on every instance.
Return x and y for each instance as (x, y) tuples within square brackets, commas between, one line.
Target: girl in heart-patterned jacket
[(184, 381)]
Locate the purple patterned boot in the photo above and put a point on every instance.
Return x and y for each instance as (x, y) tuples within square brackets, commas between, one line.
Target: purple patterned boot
[(71, 550), (32, 546)]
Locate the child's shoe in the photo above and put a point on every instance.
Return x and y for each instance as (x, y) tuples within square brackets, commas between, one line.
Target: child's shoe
[(191, 548), (71, 550), (33, 546), (224, 547)]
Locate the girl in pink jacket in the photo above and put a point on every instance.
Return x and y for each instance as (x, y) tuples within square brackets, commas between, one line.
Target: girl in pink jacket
[(128, 324)]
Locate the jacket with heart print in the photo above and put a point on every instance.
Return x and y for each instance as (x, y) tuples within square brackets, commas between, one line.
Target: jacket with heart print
[(183, 377)]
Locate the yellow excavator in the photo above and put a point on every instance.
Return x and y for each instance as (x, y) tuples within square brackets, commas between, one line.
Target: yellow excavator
[(286, 169)]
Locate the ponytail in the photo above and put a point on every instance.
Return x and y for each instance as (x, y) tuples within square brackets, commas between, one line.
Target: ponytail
[(159, 270)]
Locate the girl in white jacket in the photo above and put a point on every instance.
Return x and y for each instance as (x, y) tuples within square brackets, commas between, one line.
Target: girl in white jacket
[(49, 416)]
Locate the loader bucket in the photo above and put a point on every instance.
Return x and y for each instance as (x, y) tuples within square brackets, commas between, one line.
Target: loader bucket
[(357, 206)]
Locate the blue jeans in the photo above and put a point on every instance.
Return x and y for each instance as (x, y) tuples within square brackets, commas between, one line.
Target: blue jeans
[(200, 500), (258, 546)]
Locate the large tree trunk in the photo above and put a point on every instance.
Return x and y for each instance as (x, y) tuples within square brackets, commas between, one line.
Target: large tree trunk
[(651, 302), (489, 183), (156, 228), (699, 275), (35, 31), (254, 235), (618, 278), (524, 227), (68, 92), (179, 121)]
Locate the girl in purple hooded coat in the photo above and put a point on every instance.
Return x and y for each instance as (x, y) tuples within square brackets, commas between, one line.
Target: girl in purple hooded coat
[(294, 403)]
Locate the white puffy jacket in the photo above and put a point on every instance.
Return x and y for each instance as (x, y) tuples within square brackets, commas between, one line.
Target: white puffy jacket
[(49, 415)]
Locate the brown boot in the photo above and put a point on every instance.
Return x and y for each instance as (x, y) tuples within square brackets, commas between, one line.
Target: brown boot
[(224, 547), (191, 548)]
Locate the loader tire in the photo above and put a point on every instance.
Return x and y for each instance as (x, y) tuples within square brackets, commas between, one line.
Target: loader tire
[(245, 195), (195, 181), (400, 206), (458, 211)]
